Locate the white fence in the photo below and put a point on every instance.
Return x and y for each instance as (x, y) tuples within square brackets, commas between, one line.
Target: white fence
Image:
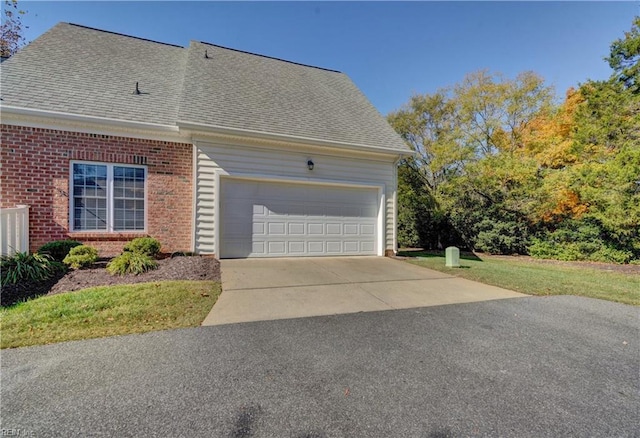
[(14, 230)]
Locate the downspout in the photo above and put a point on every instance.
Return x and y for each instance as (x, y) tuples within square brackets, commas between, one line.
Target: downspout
[(194, 194)]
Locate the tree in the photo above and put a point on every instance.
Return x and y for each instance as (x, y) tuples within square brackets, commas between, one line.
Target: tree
[(469, 161), (493, 110), (592, 208), (624, 58), (11, 38), (501, 169)]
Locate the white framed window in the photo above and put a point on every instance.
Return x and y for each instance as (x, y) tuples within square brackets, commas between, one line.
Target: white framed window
[(107, 197)]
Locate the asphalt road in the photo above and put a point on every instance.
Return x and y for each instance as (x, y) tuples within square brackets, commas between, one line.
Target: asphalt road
[(523, 367)]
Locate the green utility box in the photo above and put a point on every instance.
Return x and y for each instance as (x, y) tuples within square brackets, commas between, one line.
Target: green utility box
[(452, 257)]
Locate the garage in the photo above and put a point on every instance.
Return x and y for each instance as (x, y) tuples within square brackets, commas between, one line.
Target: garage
[(276, 219)]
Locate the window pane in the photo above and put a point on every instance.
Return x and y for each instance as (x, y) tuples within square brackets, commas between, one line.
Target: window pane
[(127, 210), (89, 196)]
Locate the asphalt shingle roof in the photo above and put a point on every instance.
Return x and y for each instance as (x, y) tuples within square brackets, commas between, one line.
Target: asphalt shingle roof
[(79, 70)]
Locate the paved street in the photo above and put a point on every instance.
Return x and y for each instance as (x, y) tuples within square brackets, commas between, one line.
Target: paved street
[(527, 367)]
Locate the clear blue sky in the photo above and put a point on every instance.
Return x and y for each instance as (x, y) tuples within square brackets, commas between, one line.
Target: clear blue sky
[(391, 50)]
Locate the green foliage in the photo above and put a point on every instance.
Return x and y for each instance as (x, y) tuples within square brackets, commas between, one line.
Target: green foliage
[(501, 237), (496, 163), (81, 256), (579, 240), (58, 249), (131, 263), (625, 57), (144, 245), (182, 254), (23, 266)]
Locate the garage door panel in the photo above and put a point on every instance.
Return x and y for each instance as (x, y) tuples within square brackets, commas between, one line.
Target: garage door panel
[(296, 247), (315, 247), (366, 247), (350, 229), (273, 219), (367, 230), (315, 229), (276, 228), (334, 247), (258, 248), (277, 247), (351, 247), (296, 228)]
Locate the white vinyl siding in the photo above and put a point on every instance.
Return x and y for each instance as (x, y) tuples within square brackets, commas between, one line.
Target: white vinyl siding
[(107, 197), (270, 165)]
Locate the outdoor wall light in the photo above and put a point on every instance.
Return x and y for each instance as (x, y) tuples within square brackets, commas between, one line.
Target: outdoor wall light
[(310, 164)]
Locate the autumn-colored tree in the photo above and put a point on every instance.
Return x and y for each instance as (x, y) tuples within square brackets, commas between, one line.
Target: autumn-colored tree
[(469, 158), (590, 197), (500, 168), (11, 29), (493, 110)]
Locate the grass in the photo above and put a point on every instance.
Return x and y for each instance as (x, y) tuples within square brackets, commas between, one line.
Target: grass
[(107, 311), (538, 278)]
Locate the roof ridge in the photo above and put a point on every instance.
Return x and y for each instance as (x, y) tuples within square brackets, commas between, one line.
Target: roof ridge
[(270, 57), (124, 35)]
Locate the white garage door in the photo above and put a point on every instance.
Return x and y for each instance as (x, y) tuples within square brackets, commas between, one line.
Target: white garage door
[(263, 219)]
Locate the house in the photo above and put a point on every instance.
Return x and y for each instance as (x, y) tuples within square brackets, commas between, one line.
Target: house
[(108, 137)]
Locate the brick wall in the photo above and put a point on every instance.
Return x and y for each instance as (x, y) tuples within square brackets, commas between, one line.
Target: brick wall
[(35, 171)]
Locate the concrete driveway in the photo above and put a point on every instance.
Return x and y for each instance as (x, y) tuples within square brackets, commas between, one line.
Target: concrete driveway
[(269, 289)]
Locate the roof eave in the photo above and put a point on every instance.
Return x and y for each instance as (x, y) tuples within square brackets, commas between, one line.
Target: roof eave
[(260, 135), (80, 118)]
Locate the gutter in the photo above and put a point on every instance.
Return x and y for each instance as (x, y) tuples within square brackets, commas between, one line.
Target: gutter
[(259, 135), (104, 121)]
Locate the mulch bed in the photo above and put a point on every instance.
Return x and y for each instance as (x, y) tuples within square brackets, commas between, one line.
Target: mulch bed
[(176, 268)]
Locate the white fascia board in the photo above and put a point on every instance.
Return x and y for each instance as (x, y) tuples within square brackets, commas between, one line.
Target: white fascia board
[(85, 123), (259, 135)]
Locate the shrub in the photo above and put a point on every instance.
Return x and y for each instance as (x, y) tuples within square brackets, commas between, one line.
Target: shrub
[(58, 249), (23, 266), (501, 237), (576, 240), (131, 263), (81, 256), (144, 245)]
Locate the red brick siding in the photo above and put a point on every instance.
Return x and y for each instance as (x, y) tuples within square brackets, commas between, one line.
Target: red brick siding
[(35, 171)]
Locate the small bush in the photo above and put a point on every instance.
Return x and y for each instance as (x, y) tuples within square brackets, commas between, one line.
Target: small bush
[(182, 254), (144, 245), (23, 266), (501, 237), (81, 256), (131, 263), (58, 249)]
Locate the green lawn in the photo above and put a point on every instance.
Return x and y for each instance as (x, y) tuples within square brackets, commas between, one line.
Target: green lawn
[(538, 278), (107, 311)]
